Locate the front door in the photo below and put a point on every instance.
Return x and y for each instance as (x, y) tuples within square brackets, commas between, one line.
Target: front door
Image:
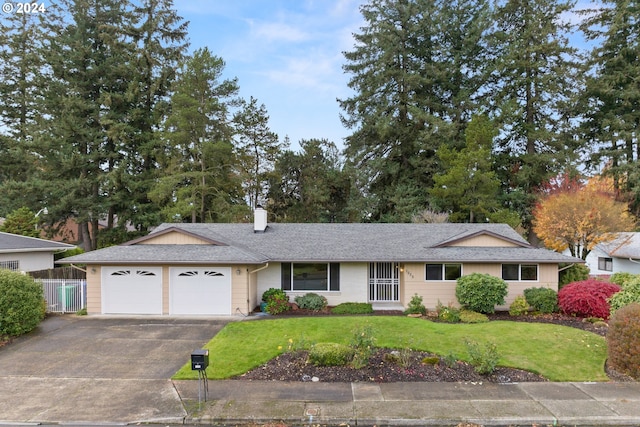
[(384, 282)]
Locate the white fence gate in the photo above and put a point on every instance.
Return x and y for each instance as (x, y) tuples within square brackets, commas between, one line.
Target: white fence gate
[(64, 295)]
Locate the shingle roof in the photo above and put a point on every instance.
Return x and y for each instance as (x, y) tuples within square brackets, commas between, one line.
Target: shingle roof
[(624, 245), (352, 242), (11, 243)]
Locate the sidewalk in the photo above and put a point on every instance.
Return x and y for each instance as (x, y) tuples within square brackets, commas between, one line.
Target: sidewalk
[(412, 404)]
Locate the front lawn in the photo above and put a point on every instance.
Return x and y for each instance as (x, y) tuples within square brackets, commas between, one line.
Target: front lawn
[(559, 353)]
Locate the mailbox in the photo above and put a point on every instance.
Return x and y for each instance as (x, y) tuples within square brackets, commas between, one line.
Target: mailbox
[(199, 360)]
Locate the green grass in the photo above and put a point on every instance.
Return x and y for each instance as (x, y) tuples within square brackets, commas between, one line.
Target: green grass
[(559, 353)]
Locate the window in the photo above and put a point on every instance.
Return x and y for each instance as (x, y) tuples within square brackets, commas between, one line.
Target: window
[(10, 265), (310, 276), (443, 271), (605, 264), (520, 272)]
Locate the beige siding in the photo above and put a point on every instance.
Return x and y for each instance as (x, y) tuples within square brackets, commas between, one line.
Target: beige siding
[(484, 241), (94, 296), (174, 238), (413, 282)]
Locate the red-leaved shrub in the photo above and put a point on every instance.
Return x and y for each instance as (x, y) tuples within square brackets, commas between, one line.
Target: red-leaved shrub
[(587, 298)]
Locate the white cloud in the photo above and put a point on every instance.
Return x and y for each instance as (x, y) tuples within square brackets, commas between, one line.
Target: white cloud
[(276, 31)]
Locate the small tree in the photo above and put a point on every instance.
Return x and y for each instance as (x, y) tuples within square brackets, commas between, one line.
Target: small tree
[(481, 292), (21, 221)]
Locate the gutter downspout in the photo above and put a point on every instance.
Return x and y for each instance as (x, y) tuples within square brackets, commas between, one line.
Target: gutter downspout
[(634, 261), (568, 266), (249, 285)]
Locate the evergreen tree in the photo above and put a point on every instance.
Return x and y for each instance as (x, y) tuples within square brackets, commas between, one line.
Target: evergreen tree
[(84, 122), (258, 148), (612, 96), (535, 78), (416, 70), (22, 221), (199, 180), (309, 186), (20, 65)]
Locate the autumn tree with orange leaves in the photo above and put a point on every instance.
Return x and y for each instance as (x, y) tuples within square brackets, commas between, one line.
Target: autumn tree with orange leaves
[(579, 216)]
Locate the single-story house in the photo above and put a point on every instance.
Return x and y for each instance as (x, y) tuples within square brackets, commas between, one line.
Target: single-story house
[(22, 253), (622, 254), (223, 269)]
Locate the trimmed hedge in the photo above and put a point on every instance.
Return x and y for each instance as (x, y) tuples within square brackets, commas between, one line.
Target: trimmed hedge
[(587, 298), (481, 292), (630, 293), (311, 301), (22, 305), (330, 354)]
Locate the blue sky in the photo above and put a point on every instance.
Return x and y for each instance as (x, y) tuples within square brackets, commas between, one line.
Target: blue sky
[(285, 53)]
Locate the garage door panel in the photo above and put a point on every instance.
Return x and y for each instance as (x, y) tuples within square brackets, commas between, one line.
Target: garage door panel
[(200, 291), (132, 290)]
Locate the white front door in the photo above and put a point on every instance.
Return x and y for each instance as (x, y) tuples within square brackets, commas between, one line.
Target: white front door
[(201, 290)]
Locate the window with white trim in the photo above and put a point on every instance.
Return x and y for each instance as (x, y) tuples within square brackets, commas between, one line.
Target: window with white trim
[(520, 272), (437, 272), (605, 264)]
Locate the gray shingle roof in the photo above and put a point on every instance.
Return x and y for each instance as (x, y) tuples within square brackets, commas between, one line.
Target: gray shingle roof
[(350, 242), (16, 243)]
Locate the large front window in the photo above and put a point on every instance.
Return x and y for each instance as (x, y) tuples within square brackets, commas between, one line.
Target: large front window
[(310, 276), (520, 272)]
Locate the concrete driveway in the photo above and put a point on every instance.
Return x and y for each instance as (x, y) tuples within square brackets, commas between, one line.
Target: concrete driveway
[(99, 369)]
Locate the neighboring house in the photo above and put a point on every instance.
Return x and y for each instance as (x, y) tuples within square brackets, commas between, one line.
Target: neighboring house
[(21, 253), (223, 269), (621, 254)]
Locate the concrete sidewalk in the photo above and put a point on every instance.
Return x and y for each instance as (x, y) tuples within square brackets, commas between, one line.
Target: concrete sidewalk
[(423, 404)]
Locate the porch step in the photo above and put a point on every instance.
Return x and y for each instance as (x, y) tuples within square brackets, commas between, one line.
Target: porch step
[(396, 306)]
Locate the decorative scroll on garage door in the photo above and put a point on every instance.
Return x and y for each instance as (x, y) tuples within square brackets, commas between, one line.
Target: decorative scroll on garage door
[(200, 290), (132, 290)]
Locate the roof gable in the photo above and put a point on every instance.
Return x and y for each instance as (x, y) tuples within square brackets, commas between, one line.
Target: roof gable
[(482, 238), (174, 236)]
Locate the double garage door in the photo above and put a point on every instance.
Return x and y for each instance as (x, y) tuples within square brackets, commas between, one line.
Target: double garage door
[(138, 290)]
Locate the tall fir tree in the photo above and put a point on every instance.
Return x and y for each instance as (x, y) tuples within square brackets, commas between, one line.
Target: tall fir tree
[(534, 83), (199, 181), (612, 96)]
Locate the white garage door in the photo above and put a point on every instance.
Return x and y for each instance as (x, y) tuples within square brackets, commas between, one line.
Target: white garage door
[(200, 290), (132, 290)]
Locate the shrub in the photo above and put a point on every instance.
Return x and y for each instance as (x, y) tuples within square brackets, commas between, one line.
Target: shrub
[(623, 340), (311, 301), (484, 359), (587, 298), (21, 303), (630, 293), (481, 292), (363, 344), (575, 273), (519, 306), (271, 292), (543, 300), (330, 354), (468, 316), (416, 306), (353, 308), (278, 303), (621, 278), (449, 314)]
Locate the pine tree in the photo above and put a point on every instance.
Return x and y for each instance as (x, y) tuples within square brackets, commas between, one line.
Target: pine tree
[(258, 147), (199, 180)]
